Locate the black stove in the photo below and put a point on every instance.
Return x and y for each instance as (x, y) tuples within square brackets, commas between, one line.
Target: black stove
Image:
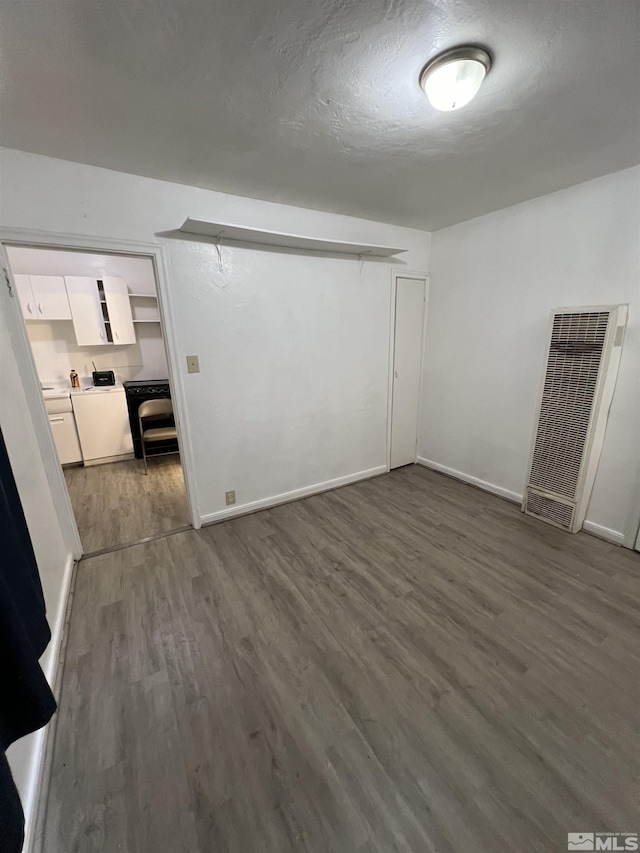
[(139, 391)]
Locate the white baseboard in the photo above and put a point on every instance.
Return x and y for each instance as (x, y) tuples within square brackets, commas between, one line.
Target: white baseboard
[(474, 481), (287, 497), (33, 793), (591, 527), (602, 532), (57, 628), (106, 460)]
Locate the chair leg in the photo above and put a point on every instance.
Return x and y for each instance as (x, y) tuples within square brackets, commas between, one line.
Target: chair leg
[(144, 457)]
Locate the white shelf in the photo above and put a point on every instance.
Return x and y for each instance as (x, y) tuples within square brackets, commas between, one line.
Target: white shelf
[(145, 295), (146, 321), (226, 231)]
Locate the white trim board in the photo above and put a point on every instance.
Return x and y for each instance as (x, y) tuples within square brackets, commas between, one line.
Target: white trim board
[(31, 384), (34, 788), (507, 494), (288, 497), (57, 629), (614, 536)]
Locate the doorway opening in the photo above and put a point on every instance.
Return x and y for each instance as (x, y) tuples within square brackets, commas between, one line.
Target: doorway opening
[(95, 329)]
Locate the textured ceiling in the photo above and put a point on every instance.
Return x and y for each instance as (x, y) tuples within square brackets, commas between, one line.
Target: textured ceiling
[(316, 102)]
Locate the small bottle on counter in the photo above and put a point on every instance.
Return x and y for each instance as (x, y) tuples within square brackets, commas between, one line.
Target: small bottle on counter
[(75, 379)]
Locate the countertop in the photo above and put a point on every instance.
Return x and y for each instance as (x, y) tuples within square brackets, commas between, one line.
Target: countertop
[(55, 393), (58, 393), (92, 389)]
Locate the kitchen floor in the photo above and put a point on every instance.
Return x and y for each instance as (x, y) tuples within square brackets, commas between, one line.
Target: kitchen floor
[(116, 503)]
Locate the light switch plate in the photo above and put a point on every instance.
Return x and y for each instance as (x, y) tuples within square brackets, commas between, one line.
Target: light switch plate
[(230, 497), (193, 365)]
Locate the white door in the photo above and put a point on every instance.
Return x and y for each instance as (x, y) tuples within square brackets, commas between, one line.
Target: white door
[(50, 296), (407, 358), (25, 295), (86, 310), (119, 310)]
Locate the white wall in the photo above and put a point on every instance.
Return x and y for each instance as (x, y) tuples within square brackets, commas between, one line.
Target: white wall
[(53, 552), (293, 347), (494, 281), (56, 352), (54, 343)]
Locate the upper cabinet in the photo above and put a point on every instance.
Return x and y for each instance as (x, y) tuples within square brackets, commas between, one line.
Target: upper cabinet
[(25, 295), (86, 311), (119, 318), (43, 297), (100, 310)]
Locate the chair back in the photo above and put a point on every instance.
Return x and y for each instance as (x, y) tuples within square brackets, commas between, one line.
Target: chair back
[(155, 407)]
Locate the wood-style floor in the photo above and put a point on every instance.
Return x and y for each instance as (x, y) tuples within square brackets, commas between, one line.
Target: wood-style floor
[(405, 664), (118, 503)]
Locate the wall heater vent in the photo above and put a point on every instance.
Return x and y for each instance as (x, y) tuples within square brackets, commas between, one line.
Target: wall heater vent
[(579, 378)]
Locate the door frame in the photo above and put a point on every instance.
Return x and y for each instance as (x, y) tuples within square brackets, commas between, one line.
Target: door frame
[(416, 275), (22, 349)]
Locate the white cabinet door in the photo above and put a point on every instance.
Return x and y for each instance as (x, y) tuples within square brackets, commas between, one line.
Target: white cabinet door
[(103, 424), (86, 310), (50, 296), (25, 295), (119, 310), (63, 427)]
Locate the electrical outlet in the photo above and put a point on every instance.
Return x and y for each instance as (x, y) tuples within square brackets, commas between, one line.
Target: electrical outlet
[(230, 497), (193, 365)]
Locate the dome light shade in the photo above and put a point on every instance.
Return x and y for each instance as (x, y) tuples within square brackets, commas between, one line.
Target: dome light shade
[(452, 79)]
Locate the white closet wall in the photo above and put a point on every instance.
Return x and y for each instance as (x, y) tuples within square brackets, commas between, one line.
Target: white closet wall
[(494, 281)]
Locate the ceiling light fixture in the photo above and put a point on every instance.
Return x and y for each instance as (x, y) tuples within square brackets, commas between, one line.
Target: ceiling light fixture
[(453, 78)]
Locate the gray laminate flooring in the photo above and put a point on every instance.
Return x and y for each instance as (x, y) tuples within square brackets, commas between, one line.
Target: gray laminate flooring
[(118, 503), (405, 664)]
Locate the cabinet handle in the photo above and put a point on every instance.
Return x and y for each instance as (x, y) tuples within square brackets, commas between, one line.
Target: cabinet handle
[(56, 420), (29, 308), (40, 308), (116, 335), (102, 335)]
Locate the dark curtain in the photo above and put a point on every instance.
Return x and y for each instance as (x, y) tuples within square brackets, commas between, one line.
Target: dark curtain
[(26, 700)]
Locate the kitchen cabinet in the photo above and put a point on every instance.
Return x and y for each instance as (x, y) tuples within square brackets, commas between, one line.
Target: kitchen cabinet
[(86, 311), (116, 295), (43, 297), (102, 420), (63, 428), (100, 310), (25, 296), (65, 436)]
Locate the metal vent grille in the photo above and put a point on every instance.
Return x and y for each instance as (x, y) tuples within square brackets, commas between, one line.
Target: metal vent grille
[(575, 355), (549, 509)]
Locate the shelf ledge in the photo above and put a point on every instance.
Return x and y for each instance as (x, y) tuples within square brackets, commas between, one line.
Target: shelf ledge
[(241, 233)]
